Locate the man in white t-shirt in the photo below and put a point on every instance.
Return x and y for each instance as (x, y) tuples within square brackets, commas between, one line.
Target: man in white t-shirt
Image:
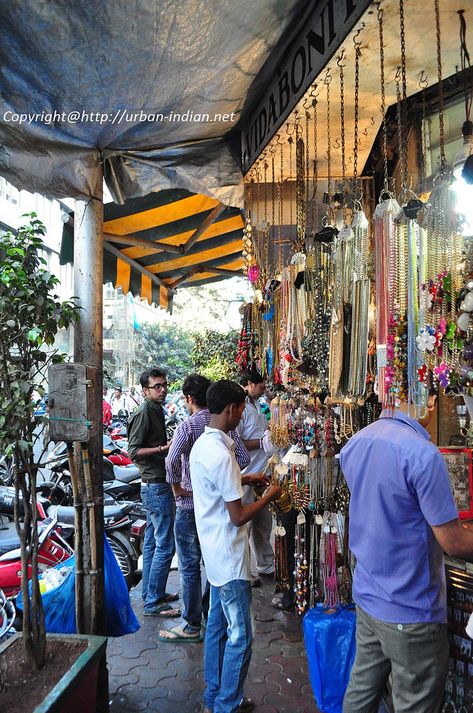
[(253, 430), (118, 401), (221, 520)]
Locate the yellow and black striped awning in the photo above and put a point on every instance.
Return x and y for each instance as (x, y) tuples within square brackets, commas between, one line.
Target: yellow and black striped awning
[(166, 240)]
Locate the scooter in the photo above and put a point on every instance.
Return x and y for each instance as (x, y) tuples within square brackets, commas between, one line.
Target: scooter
[(53, 549), (124, 531)]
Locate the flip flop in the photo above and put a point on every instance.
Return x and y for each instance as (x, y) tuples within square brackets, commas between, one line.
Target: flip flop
[(177, 634), (169, 598), (164, 611)]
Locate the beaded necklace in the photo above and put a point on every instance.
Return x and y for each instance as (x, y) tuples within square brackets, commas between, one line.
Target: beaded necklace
[(301, 565)]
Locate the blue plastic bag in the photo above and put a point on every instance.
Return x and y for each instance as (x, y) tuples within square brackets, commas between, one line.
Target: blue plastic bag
[(330, 646), (59, 603)]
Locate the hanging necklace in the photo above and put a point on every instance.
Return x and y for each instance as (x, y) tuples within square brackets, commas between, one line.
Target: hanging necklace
[(301, 565), (300, 190), (315, 168)]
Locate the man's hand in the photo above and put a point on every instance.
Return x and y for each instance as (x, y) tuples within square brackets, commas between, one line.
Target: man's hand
[(257, 479), (164, 449), (273, 492), (180, 492)]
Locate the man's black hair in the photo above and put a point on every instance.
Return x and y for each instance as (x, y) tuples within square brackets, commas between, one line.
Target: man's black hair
[(196, 385), (251, 376), (144, 377), (222, 393)]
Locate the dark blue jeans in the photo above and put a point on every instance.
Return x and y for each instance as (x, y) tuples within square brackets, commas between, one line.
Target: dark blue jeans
[(158, 547), (228, 642), (188, 552)]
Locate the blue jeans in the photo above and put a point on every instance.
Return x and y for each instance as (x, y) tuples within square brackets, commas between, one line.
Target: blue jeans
[(188, 552), (228, 643), (158, 547)]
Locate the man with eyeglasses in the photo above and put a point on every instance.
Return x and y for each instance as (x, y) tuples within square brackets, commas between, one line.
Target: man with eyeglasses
[(147, 446)]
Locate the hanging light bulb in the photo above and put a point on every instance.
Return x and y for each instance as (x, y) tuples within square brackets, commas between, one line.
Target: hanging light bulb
[(464, 152)]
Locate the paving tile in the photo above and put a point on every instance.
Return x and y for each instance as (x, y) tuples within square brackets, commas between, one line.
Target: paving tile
[(149, 678), (264, 616), (289, 704), (289, 685), (114, 682), (116, 647), (119, 666), (184, 669), (258, 672), (169, 705), (259, 691), (149, 675), (131, 696)]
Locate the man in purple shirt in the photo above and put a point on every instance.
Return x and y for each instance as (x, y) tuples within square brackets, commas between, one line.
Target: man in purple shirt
[(402, 515), (194, 389)]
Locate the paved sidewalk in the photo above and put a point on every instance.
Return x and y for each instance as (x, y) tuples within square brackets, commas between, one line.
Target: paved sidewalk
[(149, 675)]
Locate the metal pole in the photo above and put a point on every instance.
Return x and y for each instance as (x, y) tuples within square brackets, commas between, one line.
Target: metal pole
[(88, 350)]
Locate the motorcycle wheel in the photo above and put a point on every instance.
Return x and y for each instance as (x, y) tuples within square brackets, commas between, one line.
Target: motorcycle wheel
[(123, 552), (6, 471), (54, 493)]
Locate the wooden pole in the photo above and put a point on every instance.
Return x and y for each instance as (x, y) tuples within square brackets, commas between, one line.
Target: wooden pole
[(88, 350), (78, 508)]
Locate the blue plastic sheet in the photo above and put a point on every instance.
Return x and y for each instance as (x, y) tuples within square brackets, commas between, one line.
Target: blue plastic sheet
[(59, 603), (330, 645)]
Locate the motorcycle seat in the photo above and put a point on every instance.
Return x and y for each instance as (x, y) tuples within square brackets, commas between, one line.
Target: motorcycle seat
[(9, 539), (126, 473), (65, 515)]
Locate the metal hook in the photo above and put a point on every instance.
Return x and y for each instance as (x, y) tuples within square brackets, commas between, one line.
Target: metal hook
[(328, 76), (340, 59), (423, 80), (290, 133), (356, 41), (397, 76), (365, 131), (336, 144), (372, 121)]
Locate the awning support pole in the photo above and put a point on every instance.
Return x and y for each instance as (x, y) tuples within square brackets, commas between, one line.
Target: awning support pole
[(88, 349)]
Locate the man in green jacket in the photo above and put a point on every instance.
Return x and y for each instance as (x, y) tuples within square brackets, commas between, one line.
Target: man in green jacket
[(147, 445)]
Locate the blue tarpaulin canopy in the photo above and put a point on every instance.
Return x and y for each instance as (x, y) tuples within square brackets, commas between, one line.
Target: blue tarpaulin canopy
[(150, 89)]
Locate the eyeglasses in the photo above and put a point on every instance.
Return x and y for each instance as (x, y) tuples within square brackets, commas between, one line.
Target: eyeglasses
[(158, 387)]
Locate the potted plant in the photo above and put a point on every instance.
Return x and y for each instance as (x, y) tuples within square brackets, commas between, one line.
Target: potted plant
[(31, 315)]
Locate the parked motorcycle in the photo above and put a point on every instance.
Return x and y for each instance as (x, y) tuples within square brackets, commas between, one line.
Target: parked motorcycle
[(6, 470), (53, 549), (7, 617), (120, 481), (124, 530)]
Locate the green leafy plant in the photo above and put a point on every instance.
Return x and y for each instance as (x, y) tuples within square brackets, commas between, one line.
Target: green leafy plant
[(31, 315), (214, 354), (167, 347)]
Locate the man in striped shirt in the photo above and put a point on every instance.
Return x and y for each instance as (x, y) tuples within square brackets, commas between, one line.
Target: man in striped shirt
[(178, 475)]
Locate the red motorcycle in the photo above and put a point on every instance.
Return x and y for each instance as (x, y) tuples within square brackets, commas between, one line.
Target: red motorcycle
[(53, 549)]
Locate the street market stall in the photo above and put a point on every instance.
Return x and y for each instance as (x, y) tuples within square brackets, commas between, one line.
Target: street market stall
[(358, 244)]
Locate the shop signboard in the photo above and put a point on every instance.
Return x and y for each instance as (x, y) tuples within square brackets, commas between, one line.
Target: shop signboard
[(322, 32)]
